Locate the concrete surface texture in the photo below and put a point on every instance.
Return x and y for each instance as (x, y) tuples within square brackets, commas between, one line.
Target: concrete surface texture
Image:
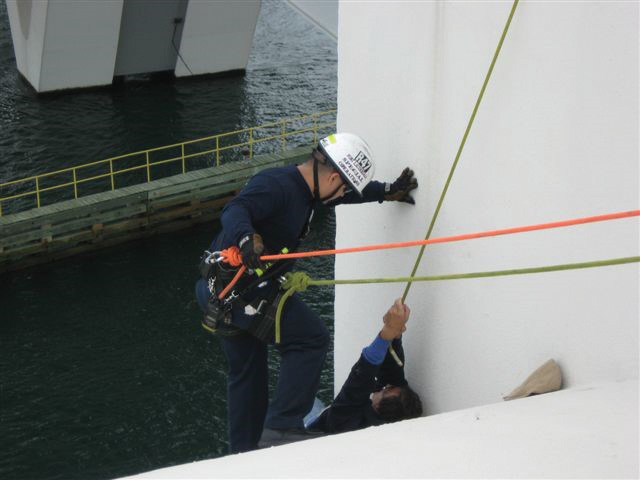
[(555, 138)]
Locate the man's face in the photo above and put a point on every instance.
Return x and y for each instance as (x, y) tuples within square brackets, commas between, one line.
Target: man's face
[(334, 186), (387, 392)]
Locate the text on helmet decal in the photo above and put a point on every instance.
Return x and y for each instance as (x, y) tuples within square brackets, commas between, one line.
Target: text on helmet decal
[(363, 162), (355, 168)]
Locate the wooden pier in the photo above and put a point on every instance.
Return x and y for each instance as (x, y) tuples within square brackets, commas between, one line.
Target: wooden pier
[(105, 219)]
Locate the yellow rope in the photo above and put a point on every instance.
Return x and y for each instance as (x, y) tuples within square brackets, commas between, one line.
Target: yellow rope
[(300, 281)]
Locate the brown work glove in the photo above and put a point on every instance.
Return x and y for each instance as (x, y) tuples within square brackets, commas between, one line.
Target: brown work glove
[(399, 190), (251, 248)]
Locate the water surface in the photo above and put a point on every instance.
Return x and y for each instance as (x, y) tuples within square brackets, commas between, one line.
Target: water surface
[(104, 368)]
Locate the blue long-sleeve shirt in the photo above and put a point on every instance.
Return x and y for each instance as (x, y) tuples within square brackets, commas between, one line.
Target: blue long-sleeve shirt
[(351, 409), (277, 204)]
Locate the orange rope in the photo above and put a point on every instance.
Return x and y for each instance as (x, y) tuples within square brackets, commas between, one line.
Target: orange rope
[(233, 257), (224, 292), (232, 254)]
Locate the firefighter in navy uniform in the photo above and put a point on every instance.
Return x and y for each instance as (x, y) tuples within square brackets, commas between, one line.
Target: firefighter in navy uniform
[(273, 212)]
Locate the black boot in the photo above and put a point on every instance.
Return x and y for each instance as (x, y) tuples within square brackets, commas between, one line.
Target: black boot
[(272, 437)]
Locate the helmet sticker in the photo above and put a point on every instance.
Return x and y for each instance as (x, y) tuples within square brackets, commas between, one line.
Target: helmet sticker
[(363, 162), (355, 168), (326, 141), (350, 155)]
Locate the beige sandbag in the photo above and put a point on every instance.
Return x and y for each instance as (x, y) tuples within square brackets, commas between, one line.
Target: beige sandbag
[(547, 378)]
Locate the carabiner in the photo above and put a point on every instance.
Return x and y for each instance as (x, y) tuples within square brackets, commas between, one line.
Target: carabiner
[(213, 257), (230, 298)]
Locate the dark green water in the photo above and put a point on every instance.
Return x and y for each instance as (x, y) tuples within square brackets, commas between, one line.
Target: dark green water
[(104, 368)]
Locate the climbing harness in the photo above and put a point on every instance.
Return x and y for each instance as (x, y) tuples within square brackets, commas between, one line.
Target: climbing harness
[(217, 317), (226, 293)]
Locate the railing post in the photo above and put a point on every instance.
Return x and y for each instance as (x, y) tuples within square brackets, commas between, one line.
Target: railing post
[(38, 190), (184, 167), (315, 128), (284, 131), (317, 124), (148, 167), (217, 151)]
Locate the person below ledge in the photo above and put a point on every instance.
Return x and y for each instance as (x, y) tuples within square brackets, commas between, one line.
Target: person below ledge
[(376, 391)]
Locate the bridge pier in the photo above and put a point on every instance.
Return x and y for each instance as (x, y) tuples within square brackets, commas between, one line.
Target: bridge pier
[(66, 44)]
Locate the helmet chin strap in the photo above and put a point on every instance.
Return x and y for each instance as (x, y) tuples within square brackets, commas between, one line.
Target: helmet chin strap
[(316, 182), (316, 185), (331, 195)]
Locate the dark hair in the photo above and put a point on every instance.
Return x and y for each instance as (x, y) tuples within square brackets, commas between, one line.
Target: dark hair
[(400, 407)]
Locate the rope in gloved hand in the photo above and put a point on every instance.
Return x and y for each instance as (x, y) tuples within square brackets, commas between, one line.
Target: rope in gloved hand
[(300, 281)]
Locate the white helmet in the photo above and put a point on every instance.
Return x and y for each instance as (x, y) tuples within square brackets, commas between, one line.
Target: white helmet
[(351, 157)]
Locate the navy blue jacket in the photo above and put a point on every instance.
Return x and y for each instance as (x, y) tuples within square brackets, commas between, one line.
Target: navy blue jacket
[(277, 203), (351, 409)]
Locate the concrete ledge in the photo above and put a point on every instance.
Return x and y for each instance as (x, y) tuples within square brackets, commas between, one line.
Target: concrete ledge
[(583, 432)]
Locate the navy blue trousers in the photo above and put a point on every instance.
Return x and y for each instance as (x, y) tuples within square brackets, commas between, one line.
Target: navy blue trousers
[(303, 347)]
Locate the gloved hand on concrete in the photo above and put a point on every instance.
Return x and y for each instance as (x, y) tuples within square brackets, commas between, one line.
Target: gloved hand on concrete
[(399, 190)]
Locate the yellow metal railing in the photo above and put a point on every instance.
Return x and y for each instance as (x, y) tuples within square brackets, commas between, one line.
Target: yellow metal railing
[(245, 139)]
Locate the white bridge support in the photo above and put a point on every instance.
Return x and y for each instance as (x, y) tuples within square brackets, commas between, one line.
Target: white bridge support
[(322, 13), (65, 44), (555, 138)]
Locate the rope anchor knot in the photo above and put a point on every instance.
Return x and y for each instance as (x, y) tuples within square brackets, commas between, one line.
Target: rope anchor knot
[(296, 281)]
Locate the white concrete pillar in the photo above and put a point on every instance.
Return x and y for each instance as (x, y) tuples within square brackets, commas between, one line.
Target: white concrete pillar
[(322, 13), (150, 34), (65, 43), (555, 138), (82, 43), (217, 36)]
